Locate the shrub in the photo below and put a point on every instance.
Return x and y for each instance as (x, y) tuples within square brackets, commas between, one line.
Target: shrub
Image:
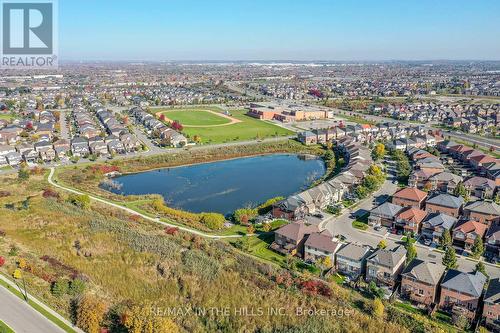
[(60, 287), (49, 193), (80, 200), (2, 261), (77, 287), (214, 221), (90, 313)]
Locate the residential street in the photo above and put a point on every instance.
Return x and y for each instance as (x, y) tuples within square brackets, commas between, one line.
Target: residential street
[(342, 225), (21, 317)]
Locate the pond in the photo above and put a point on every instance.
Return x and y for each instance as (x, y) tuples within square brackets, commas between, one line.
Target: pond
[(224, 186)]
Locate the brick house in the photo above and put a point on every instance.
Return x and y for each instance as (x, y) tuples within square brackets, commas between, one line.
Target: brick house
[(351, 259), (409, 196), (480, 187), (385, 214), (445, 203), (466, 233), (410, 219), (290, 238), (320, 245), (384, 266), (291, 208), (461, 292), (444, 182), (483, 211), (491, 307), (435, 224), (420, 281)]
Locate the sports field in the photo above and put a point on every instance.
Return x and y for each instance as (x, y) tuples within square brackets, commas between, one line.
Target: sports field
[(194, 117), (241, 128)]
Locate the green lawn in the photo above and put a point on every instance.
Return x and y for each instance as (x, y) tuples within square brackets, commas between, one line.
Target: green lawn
[(248, 129), (195, 117), (4, 328), (259, 247), (6, 116)]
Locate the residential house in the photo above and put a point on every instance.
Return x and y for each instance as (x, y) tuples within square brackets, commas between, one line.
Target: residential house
[(14, 158), (420, 281), (466, 232), (384, 215), (486, 212), (320, 245), (409, 196), (384, 266), (351, 260), (461, 292), (444, 182), (435, 224), (491, 305), (493, 240), (291, 208), (480, 187), (290, 238), (445, 203), (80, 146), (410, 220)]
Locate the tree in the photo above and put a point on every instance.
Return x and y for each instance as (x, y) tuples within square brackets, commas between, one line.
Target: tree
[(250, 229), (411, 253), (450, 258), (143, 319), (375, 291), (324, 263), (446, 239), (23, 174), (461, 190), (481, 268), (90, 313), (477, 247), (378, 151), (76, 287), (382, 244), (213, 221), (266, 227), (80, 200), (378, 308), (60, 287)]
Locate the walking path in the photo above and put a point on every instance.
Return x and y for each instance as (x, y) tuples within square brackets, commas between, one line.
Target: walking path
[(133, 212)]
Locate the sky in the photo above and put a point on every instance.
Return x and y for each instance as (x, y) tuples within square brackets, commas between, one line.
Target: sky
[(352, 30)]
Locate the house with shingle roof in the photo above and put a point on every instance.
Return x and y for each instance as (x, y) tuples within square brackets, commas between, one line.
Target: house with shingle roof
[(351, 260), (410, 219), (385, 214), (466, 232), (480, 187), (290, 238), (491, 305), (444, 182), (320, 245), (384, 266), (445, 203), (420, 281), (435, 224), (486, 212), (461, 292), (409, 196)]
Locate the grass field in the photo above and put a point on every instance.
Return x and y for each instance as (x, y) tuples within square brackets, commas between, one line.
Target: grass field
[(247, 129), (196, 117)]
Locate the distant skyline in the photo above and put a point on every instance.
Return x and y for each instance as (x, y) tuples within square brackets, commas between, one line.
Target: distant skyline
[(278, 30)]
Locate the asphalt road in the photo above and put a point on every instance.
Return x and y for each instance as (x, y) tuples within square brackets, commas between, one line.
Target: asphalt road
[(21, 317)]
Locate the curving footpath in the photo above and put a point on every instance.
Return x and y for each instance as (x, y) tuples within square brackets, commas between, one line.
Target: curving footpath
[(131, 211)]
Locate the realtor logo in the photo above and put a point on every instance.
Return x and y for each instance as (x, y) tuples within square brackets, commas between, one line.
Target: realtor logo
[(28, 34)]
